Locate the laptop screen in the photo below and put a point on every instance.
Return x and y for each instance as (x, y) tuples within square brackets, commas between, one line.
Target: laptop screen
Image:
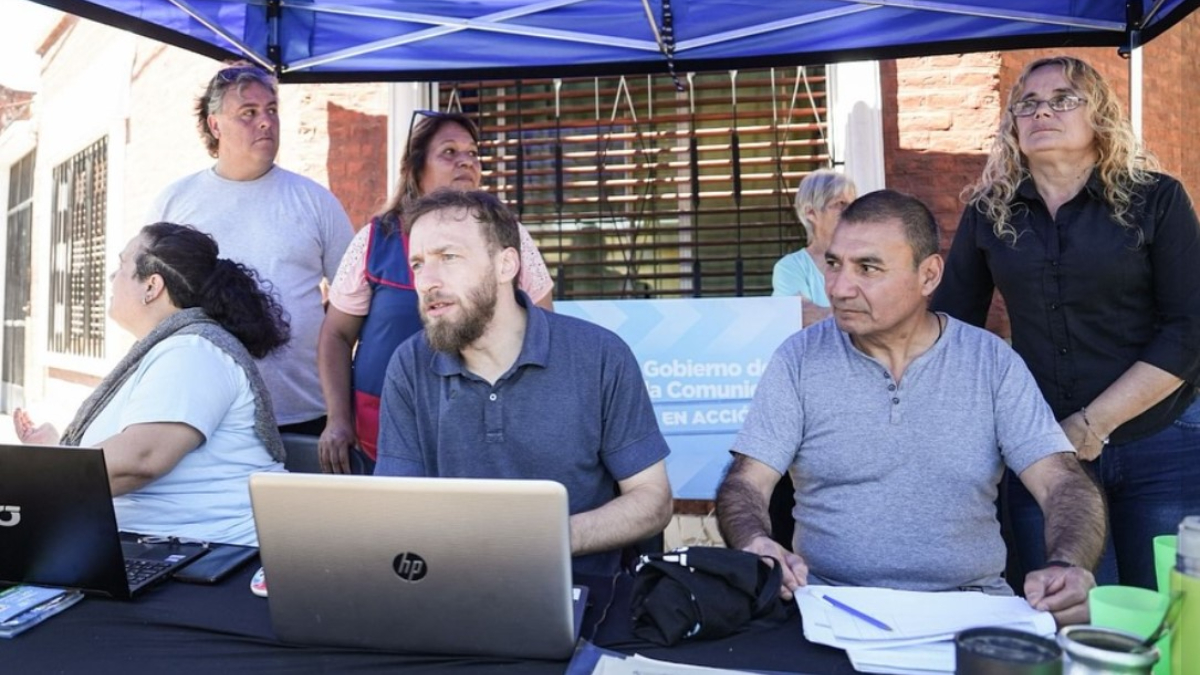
[(57, 525), (428, 565)]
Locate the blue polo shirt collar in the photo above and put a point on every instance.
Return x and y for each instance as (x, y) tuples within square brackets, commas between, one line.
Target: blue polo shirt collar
[(535, 349)]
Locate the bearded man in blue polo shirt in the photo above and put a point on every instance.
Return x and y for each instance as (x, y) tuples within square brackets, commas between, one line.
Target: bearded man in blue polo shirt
[(495, 387)]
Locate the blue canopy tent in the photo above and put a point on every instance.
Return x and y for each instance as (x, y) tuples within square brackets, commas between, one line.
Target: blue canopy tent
[(416, 40)]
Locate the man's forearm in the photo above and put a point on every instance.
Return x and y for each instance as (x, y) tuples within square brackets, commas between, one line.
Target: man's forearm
[(627, 519), (741, 508), (1075, 519)]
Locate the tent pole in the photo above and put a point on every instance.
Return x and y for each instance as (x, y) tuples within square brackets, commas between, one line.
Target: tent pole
[(559, 180), (274, 51), (1135, 91), (1132, 50), (735, 158), (694, 181)]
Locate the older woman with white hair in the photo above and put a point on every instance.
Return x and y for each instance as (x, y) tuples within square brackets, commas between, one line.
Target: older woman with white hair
[(820, 199)]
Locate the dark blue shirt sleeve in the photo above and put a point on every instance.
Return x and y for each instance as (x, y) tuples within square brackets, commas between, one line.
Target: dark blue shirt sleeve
[(1175, 266), (632, 439), (966, 289)]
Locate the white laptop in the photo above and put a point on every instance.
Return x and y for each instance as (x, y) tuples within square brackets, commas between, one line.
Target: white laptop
[(426, 565)]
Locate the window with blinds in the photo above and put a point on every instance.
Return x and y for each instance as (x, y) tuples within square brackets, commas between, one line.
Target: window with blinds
[(635, 187), (77, 250)]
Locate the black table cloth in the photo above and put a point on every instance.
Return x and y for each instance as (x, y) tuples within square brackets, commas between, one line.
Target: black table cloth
[(185, 628)]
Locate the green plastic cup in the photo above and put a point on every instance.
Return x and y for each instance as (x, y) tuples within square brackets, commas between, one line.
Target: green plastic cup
[(1128, 608), (1165, 546)]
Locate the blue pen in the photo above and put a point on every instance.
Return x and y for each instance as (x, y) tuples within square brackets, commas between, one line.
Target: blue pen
[(854, 612)]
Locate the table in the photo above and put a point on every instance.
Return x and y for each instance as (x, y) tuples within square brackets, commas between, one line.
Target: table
[(187, 628)]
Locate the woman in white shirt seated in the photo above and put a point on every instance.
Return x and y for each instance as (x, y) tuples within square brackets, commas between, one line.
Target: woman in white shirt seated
[(184, 418)]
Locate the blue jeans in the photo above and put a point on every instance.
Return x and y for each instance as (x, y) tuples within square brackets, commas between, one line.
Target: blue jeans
[(1149, 484)]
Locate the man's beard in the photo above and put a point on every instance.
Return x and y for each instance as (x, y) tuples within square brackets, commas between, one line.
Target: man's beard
[(451, 337)]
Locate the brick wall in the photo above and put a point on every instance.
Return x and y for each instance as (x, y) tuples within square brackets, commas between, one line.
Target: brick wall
[(1171, 109), (343, 129), (14, 106), (939, 115)]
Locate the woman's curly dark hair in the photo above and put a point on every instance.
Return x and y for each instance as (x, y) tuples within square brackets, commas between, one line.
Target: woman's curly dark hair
[(230, 293)]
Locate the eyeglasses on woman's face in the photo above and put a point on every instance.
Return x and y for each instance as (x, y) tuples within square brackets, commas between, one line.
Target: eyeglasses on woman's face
[(1063, 103)]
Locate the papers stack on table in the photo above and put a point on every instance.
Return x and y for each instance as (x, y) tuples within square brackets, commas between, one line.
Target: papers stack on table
[(890, 631), (23, 607)]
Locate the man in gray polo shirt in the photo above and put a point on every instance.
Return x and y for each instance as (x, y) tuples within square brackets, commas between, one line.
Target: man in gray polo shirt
[(495, 387), (896, 424)]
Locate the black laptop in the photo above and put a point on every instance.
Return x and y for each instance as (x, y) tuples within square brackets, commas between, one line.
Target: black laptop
[(58, 527)]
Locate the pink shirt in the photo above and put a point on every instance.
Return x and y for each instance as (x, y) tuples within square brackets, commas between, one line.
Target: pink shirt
[(350, 291)]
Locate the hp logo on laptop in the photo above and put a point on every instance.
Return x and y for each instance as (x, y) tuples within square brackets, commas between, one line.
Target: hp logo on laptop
[(410, 567), (11, 515)]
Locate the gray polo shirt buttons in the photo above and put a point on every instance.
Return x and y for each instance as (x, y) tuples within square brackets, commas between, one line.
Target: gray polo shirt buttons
[(492, 397)]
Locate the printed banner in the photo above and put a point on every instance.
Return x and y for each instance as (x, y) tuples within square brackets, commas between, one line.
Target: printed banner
[(701, 359)]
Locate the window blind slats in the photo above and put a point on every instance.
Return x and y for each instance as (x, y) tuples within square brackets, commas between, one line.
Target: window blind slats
[(633, 189)]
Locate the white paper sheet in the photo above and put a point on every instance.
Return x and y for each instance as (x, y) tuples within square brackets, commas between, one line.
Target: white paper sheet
[(922, 625), (640, 665)]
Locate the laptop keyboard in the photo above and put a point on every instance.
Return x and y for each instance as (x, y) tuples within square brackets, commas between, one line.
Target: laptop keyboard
[(140, 571)]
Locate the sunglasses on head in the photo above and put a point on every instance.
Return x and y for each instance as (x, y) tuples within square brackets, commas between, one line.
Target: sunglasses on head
[(430, 114), (232, 73)]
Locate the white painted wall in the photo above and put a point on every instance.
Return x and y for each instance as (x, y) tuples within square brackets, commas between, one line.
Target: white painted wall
[(856, 123)]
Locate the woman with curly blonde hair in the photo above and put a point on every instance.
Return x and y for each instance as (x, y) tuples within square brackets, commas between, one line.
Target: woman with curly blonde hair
[(1096, 255)]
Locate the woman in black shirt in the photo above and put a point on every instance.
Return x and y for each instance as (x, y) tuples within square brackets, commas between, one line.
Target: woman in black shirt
[(1098, 259)]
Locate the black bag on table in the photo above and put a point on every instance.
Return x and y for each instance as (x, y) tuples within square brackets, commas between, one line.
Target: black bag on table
[(702, 592)]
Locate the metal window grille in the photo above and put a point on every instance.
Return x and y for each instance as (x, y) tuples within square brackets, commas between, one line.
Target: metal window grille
[(17, 276), (77, 252), (633, 188)]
